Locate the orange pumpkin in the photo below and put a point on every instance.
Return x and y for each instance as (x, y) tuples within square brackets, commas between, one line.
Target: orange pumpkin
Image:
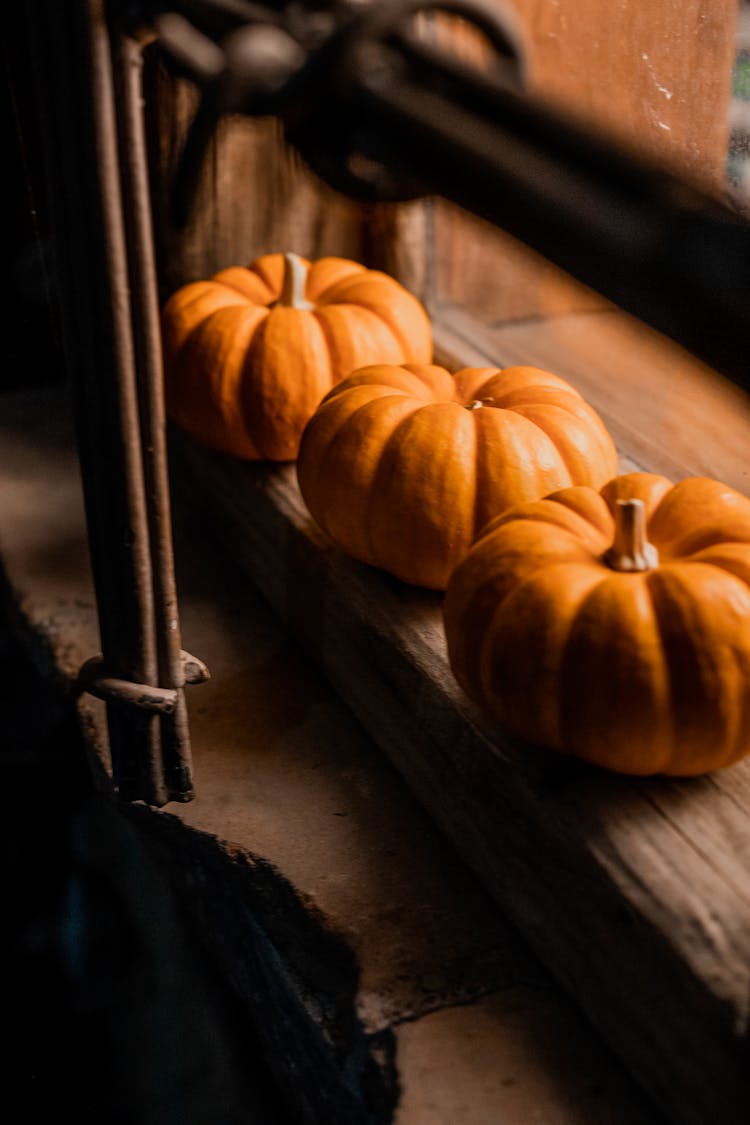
[(403, 465), (250, 353), (613, 625)]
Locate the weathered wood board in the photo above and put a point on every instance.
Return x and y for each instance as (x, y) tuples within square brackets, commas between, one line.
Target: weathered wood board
[(635, 893), (655, 76)]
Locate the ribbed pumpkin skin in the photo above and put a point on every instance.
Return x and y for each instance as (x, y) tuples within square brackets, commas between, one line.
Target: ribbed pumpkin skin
[(244, 377), (642, 673), (403, 465)]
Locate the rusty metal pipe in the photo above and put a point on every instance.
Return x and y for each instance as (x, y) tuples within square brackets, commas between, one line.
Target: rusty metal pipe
[(106, 287), (130, 654), (128, 63)]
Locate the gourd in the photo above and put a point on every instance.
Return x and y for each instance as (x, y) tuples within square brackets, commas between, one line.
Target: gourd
[(403, 465), (250, 353), (615, 625)]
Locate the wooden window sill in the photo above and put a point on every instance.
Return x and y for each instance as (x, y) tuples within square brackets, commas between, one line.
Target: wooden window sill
[(636, 893)]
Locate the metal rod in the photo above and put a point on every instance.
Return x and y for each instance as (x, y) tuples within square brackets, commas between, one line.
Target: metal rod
[(131, 654), (94, 679), (100, 218), (176, 753), (70, 53)]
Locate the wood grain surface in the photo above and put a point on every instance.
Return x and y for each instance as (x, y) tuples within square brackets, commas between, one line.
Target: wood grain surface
[(655, 76)]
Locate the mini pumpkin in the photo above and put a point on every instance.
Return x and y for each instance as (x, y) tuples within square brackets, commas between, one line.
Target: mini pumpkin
[(613, 625), (403, 465), (250, 353)]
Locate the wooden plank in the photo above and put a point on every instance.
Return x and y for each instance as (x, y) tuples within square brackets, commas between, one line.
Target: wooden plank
[(636, 894), (656, 77), (487, 271), (397, 239)]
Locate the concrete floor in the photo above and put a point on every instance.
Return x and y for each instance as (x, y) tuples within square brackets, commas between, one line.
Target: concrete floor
[(346, 943), (113, 1010)]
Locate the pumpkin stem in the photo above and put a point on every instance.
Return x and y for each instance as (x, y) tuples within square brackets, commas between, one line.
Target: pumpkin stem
[(293, 285), (631, 550)]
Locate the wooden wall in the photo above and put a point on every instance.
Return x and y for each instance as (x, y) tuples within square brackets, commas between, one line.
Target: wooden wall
[(255, 194), (653, 73)]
